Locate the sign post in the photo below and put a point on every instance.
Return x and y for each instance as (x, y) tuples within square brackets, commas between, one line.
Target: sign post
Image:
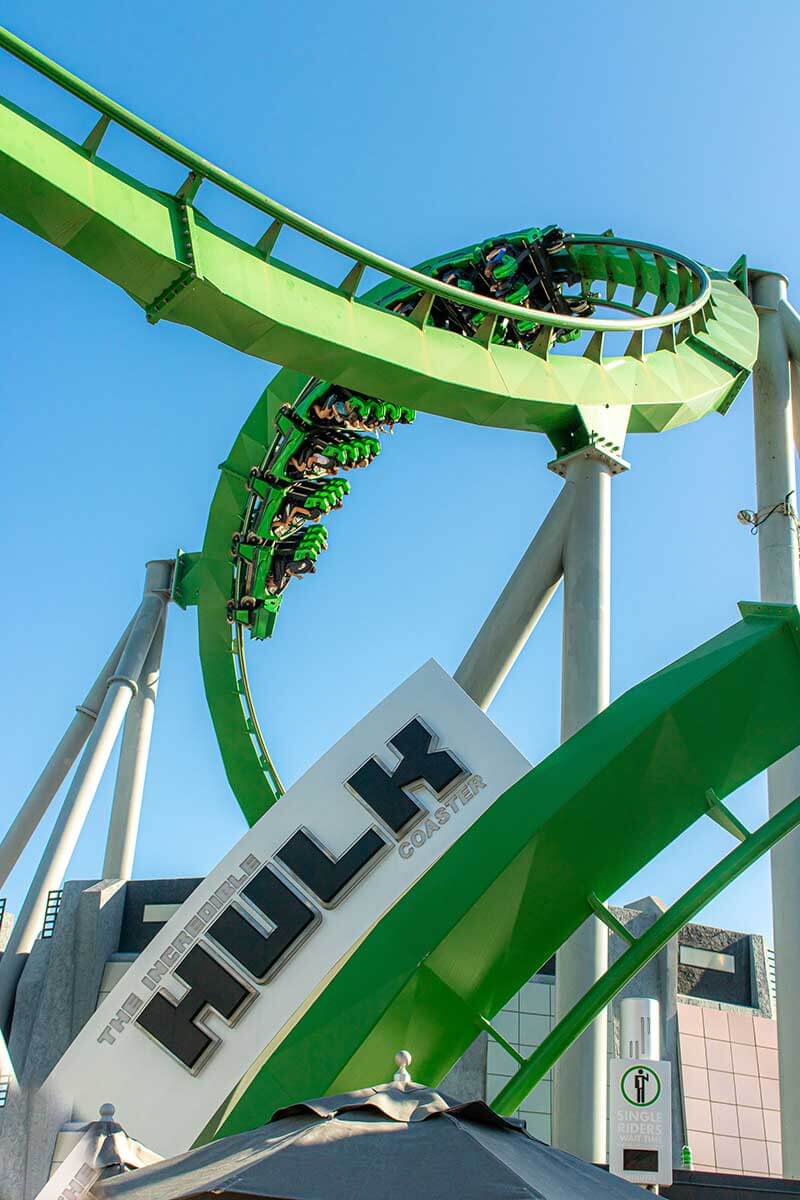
[(640, 1130)]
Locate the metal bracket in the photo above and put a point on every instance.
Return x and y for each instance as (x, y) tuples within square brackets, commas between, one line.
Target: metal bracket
[(352, 279), (92, 143), (422, 310), (603, 991), (605, 915), (496, 1036), (185, 581), (723, 816), (266, 242), (485, 331), (188, 249), (189, 188)]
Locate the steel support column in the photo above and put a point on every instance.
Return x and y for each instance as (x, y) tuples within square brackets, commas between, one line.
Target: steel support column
[(126, 808), (69, 823), (580, 1077), (519, 606), (780, 583), (41, 794)]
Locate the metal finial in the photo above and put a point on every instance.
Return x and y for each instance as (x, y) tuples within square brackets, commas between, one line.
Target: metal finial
[(403, 1060), (107, 1112)]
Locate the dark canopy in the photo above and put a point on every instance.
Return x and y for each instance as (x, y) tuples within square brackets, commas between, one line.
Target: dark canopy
[(392, 1142)]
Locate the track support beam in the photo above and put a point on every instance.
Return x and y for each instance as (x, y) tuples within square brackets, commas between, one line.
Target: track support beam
[(776, 480), (580, 1088), (518, 608), (580, 1016), (41, 795), (134, 753), (122, 687)]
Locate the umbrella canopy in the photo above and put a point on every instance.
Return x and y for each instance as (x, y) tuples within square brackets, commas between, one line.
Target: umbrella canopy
[(395, 1141), (103, 1151)]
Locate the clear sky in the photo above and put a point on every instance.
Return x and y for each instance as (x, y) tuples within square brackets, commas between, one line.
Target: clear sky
[(412, 128)]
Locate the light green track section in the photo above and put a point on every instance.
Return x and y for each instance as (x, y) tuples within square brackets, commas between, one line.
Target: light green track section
[(452, 952), (182, 268)]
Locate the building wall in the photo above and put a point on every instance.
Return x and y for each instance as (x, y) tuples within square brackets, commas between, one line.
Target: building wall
[(731, 1089), (524, 1022), (720, 1036)]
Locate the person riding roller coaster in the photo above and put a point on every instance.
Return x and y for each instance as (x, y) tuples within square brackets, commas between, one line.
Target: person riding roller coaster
[(306, 504), (517, 273), (334, 431)]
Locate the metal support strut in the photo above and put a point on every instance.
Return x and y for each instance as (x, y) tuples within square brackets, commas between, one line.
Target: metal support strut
[(122, 686), (780, 583), (519, 606), (126, 808), (580, 1080), (41, 795), (641, 951)]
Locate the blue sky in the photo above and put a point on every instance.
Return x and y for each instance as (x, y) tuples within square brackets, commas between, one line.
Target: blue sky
[(411, 128)]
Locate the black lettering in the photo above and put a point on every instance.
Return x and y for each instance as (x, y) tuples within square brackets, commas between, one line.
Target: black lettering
[(210, 986), (259, 952), (323, 874), (384, 793)]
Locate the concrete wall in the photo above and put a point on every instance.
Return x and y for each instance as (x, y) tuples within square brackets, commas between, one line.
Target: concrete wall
[(57, 993)]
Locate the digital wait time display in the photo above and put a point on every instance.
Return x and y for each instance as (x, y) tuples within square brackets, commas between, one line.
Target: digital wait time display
[(640, 1120), (639, 1160)]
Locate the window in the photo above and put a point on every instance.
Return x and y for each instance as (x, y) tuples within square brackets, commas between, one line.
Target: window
[(709, 960)]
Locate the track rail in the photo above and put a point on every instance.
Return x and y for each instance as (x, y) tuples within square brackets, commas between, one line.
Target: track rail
[(389, 343), (202, 169)]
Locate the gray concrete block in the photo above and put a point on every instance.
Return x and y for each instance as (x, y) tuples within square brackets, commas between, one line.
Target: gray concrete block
[(467, 1079)]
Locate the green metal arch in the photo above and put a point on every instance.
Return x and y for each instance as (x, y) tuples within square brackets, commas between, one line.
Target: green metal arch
[(458, 945)]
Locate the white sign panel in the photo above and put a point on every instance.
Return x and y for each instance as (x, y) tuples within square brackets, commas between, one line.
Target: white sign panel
[(229, 974), (640, 1125)]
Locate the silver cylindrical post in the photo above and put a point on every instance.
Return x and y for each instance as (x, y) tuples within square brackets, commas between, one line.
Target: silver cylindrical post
[(126, 808), (519, 606), (780, 583), (66, 831), (40, 797), (580, 1078)]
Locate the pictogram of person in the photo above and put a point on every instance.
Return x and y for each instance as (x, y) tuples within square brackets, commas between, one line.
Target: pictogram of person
[(640, 1082)]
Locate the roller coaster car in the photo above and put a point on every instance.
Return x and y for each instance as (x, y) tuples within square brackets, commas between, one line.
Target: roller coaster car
[(309, 462), (284, 569), (295, 556), (291, 519), (520, 271), (331, 430)]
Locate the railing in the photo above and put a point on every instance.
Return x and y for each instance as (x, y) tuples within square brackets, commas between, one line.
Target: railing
[(200, 169)]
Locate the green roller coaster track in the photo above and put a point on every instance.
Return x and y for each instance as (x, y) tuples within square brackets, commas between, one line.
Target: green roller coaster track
[(502, 334)]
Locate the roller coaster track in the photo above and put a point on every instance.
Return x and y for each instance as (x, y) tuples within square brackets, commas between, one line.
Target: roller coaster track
[(180, 267), (505, 333)]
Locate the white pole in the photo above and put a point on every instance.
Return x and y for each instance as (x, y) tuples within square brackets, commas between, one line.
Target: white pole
[(519, 606), (580, 1078), (780, 583), (126, 809), (69, 823), (35, 806)]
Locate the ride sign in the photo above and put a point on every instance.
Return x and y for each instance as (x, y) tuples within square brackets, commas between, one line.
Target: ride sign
[(224, 981), (640, 1126)]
